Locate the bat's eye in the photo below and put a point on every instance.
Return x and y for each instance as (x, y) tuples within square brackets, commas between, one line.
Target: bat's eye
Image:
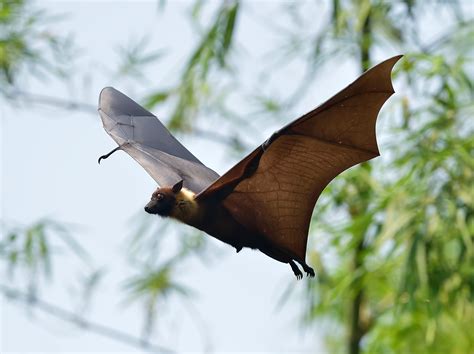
[(159, 196)]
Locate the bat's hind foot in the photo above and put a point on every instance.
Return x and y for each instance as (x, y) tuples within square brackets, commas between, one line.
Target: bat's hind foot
[(295, 270), (309, 271)]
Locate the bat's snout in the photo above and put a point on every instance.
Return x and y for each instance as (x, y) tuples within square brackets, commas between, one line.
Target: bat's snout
[(151, 207)]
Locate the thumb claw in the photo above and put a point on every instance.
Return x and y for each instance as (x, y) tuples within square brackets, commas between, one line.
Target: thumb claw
[(103, 157)]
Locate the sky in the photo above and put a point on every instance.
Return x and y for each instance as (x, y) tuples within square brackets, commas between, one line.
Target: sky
[(49, 169)]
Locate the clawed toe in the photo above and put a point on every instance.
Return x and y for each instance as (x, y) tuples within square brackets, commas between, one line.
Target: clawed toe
[(309, 271), (299, 275), (296, 270)]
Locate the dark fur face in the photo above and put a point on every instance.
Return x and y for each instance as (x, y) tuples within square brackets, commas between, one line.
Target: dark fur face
[(163, 200)]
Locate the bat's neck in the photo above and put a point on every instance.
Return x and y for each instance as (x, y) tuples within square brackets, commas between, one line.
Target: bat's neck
[(186, 209)]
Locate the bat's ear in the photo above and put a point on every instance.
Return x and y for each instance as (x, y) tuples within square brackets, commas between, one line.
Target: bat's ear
[(177, 187)]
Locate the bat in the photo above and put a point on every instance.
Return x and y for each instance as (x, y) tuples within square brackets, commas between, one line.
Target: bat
[(266, 200)]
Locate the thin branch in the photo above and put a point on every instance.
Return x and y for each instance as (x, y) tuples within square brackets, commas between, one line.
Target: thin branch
[(356, 330), (218, 138), (200, 326), (443, 39), (70, 105), (52, 101), (71, 317)]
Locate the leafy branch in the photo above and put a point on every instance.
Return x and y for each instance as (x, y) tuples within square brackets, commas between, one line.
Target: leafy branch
[(76, 319)]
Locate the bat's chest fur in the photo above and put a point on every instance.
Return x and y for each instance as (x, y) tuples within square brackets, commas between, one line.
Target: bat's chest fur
[(213, 219), (186, 209)]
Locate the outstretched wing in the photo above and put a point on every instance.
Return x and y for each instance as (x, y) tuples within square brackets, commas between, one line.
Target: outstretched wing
[(146, 139), (274, 189)]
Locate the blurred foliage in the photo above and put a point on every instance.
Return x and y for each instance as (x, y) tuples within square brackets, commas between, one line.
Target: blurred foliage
[(31, 249), (209, 56), (135, 58), (156, 272), (27, 46), (152, 286), (400, 272), (415, 224)]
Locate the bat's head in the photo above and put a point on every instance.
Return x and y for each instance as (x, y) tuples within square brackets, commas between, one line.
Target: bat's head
[(163, 200)]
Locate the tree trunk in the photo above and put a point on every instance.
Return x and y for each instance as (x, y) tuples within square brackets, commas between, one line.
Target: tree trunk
[(356, 329)]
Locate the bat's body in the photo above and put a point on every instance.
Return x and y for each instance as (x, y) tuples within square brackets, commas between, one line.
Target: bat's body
[(215, 220), (266, 200), (206, 216)]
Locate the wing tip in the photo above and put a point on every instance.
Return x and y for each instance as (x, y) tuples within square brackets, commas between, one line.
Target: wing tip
[(388, 65), (114, 103), (396, 57), (105, 95), (391, 61)]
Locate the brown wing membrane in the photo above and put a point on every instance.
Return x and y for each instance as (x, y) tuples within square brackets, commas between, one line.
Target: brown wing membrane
[(278, 199), (274, 190)]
